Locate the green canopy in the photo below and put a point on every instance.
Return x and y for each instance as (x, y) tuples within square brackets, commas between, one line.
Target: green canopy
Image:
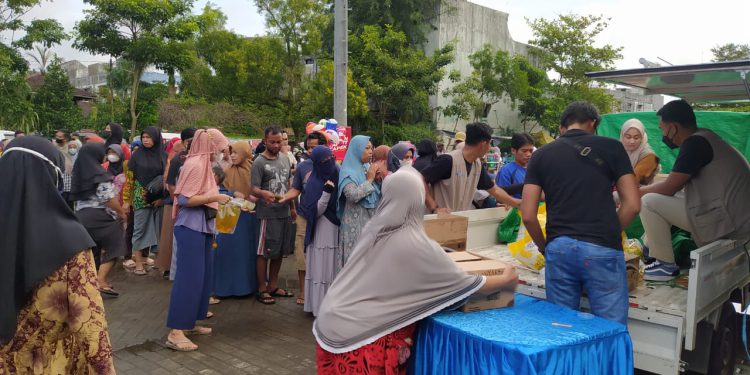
[(733, 127)]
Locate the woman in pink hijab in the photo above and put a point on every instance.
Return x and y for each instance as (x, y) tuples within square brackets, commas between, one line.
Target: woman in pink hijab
[(196, 200)]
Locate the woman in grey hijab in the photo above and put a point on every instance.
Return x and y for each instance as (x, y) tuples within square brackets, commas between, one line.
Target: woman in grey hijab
[(395, 277), (401, 154)]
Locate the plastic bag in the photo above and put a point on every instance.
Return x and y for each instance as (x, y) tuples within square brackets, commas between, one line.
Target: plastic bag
[(507, 231), (525, 250), (632, 246), (227, 217)]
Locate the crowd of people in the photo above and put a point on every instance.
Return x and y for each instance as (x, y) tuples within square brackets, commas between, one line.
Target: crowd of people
[(367, 270)]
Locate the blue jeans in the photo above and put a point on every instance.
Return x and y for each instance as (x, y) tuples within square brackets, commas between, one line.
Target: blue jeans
[(573, 264)]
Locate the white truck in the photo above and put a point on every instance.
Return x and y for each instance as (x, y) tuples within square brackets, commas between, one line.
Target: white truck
[(673, 329)]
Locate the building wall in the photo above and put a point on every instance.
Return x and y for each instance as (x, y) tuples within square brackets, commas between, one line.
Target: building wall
[(633, 100), (472, 26)]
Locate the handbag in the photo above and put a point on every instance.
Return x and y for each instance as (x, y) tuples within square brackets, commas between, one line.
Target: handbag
[(155, 189)]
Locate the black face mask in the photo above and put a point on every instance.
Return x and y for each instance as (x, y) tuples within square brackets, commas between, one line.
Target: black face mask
[(59, 141), (668, 141), (105, 134)]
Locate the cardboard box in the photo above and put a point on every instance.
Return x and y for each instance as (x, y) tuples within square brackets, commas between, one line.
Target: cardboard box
[(463, 256), (633, 269), (448, 230), (504, 298), (483, 267)]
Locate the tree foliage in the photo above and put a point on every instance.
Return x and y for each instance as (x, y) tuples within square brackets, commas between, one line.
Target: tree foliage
[(53, 101), (731, 52), (397, 77), (415, 18), (318, 98), (142, 31), (567, 48)]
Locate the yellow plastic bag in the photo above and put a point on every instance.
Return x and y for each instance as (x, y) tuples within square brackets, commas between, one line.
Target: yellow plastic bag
[(227, 217), (525, 250)]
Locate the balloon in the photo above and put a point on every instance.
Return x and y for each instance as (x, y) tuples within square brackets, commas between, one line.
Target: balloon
[(333, 136)]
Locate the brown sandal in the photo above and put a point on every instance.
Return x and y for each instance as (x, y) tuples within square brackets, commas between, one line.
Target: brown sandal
[(181, 345), (265, 298)]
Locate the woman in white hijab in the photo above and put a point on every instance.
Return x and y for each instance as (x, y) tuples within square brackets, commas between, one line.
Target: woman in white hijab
[(643, 159), (395, 277)]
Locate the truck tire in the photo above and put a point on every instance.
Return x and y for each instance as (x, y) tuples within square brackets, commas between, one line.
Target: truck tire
[(723, 354)]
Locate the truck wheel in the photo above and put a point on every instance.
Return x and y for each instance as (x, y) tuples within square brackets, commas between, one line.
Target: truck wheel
[(724, 342)]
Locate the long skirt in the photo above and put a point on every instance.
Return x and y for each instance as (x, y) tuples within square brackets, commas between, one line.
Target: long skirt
[(68, 337), (321, 264), (192, 284), (146, 227), (234, 259), (106, 231), (164, 256), (388, 355)]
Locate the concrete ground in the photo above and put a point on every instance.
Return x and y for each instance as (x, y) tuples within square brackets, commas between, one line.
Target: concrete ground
[(248, 337)]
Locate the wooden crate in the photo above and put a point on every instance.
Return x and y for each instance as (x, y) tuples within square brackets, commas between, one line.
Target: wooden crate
[(448, 230)]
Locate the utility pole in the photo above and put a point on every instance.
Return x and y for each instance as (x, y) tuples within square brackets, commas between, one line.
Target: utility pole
[(340, 60)]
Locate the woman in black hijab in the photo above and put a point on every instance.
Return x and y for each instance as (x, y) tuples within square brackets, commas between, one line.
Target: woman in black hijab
[(146, 190), (46, 260), (98, 208), (427, 151)]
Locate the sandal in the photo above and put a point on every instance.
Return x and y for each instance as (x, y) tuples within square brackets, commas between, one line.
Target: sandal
[(142, 272), (278, 292), (129, 264), (199, 330), (209, 315), (213, 301), (181, 345), (265, 298), (108, 290), (301, 301)]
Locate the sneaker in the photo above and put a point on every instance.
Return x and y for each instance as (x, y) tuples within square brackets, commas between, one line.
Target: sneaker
[(661, 271)]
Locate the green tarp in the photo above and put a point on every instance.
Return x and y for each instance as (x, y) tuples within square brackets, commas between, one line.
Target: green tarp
[(733, 127)]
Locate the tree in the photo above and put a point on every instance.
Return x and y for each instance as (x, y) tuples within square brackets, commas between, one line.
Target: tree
[(299, 24), (397, 77), (567, 49), (496, 77), (142, 32), (318, 97), (53, 101), (731, 52), (412, 17)]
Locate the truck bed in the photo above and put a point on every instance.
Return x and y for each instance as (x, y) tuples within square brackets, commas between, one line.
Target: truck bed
[(649, 297)]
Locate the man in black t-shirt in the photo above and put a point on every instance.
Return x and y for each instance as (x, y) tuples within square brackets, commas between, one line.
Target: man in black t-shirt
[(446, 178), (716, 181), (583, 247)]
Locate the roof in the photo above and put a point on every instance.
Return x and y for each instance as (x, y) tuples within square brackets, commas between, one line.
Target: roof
[(722, 82), (36, 80)]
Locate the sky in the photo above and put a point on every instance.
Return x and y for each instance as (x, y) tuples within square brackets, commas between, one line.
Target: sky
[(680, 32)]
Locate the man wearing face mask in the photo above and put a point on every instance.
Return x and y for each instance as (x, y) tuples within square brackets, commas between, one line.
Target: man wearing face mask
[(714, 205)]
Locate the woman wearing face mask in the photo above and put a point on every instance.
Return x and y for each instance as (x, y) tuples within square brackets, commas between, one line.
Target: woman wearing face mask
[(358, 194), (113, 135), (146, 191), (644, 160), (400, 155), (52, 316), (98, 209), (197, 199)]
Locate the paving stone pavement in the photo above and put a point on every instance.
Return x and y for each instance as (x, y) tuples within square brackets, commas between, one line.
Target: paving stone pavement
[(248, 337)]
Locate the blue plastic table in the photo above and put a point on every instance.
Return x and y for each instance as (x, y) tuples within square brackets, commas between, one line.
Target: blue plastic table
[(532, 337)]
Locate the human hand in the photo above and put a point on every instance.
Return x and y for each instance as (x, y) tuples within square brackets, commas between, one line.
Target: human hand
[(222, 198), (238, 194), (158, 203), (126, 208), (372, 172), (268, 196), (294, 214), (329, 186), (442, 211)]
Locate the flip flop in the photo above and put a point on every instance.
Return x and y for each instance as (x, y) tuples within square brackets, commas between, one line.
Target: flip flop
[(175, 345), (214, 301), (108, 290), (209, 315), (142, 272), (285, 293), (199, 330), (301, 301), (265, 298)]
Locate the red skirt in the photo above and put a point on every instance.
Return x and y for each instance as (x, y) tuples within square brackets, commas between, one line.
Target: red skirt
[(388, 355)]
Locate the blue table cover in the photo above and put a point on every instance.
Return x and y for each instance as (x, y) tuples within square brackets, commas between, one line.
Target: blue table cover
[(532, 337)]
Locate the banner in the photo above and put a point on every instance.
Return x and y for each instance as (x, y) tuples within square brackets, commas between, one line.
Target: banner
[(345, 134)]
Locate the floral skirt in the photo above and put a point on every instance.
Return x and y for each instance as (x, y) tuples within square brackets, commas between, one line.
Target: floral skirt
[(62, 330), (388, 355)]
